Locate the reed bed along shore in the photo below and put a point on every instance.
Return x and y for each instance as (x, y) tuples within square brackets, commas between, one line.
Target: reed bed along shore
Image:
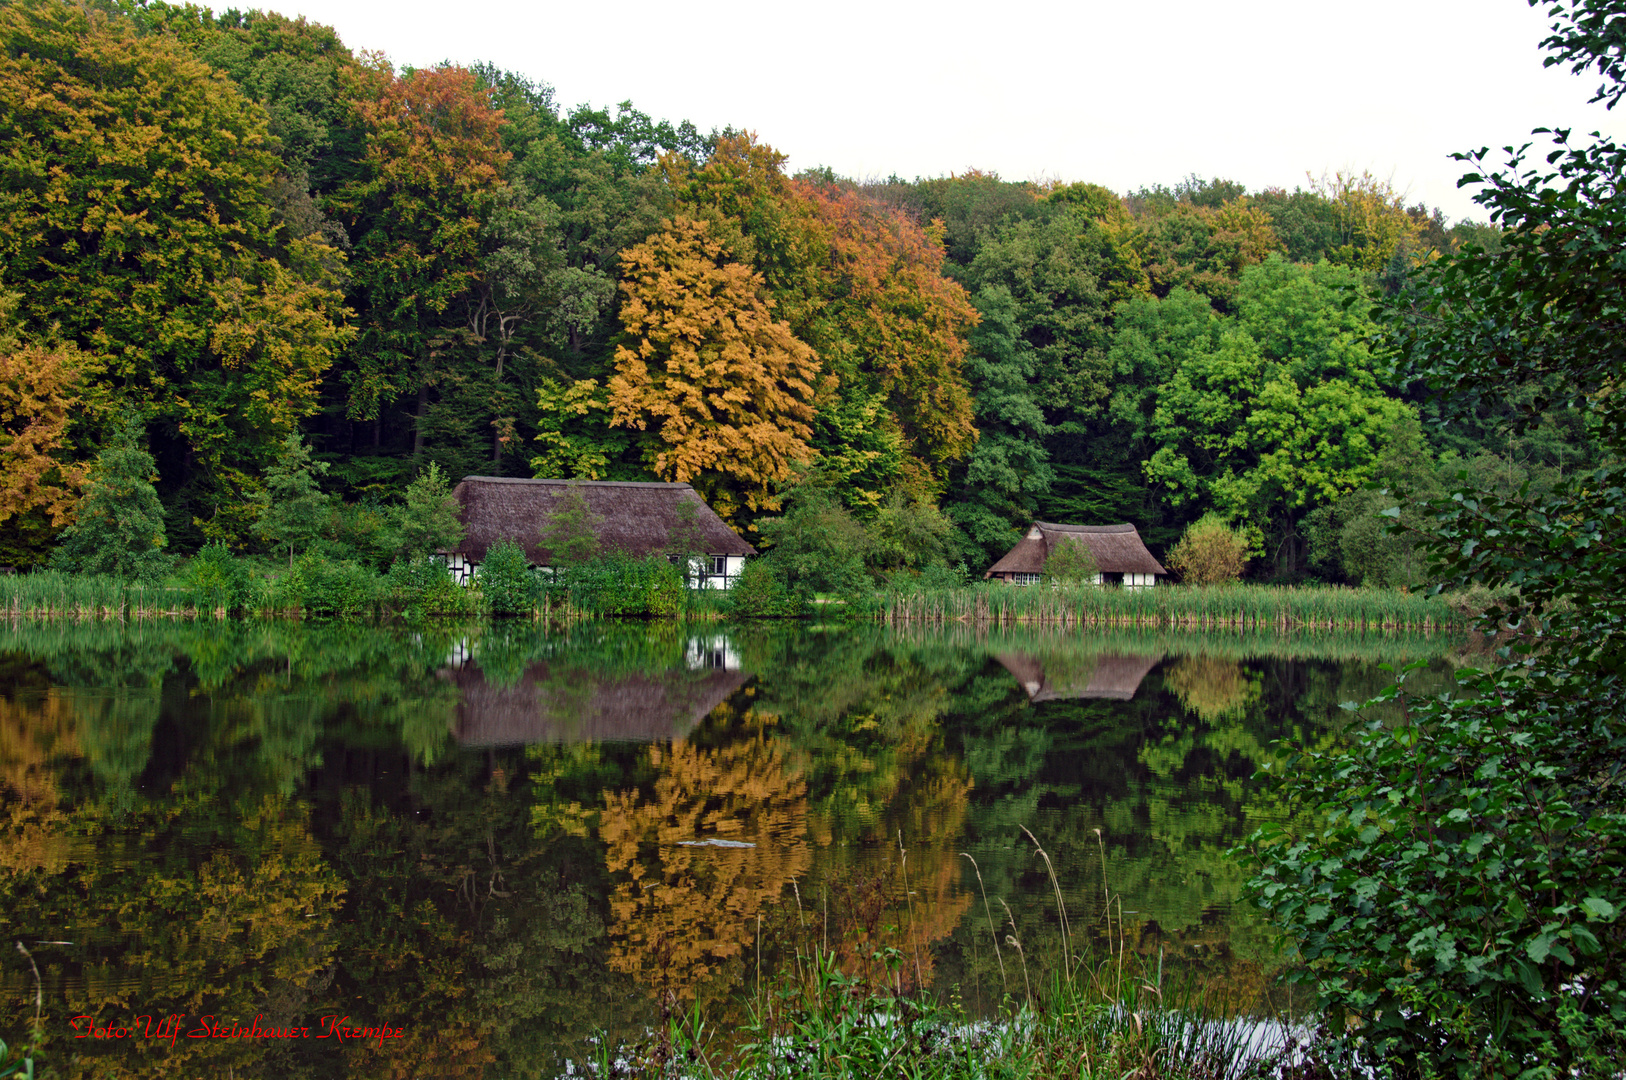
[(52, 595), (1175, 607)]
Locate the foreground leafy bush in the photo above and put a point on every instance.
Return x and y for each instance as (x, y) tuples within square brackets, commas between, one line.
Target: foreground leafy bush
[(1210, 553), (326, 589), (762, 593), (616, 584), (506, 581), (223, 580), (424, 588), (1465, 883)]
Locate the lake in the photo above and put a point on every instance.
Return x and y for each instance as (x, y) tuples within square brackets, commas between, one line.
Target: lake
[(282, 849)]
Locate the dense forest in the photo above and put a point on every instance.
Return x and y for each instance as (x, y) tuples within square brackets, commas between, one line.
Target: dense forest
[(265, 251)]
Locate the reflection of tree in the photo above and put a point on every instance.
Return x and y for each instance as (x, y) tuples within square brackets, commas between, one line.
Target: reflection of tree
[(233, 916), (681, 914), (36, 730), (1213, 689)]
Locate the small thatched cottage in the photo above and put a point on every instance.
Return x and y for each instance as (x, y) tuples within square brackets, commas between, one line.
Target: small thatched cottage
[(631, 517), (1120, 557)]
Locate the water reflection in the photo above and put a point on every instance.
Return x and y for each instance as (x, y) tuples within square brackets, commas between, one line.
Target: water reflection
[(1099, 675), (502, 840), (564, 701)]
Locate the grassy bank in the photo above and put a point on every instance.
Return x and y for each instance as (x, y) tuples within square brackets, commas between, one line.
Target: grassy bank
[(1178, 607)]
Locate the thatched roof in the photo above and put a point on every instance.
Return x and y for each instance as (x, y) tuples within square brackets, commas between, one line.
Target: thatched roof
[(1117, 549), (1112, 676), (570, 705), (631, 517)]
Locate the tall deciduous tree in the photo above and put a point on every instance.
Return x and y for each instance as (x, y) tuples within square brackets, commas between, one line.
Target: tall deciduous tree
[(434, 153), (39, 388), (725, 390), (1272, 421), (134, 218), (891, 322)]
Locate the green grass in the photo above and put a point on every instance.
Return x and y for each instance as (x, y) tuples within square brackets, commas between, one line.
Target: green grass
[(1186, 607)]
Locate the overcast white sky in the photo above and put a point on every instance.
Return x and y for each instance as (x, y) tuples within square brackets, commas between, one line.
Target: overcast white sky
[(1121, 94)]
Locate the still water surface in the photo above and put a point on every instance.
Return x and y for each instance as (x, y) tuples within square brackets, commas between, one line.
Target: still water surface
[(487, 844)]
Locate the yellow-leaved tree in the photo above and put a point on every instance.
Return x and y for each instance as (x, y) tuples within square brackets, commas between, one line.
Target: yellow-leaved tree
[(39, 395), (725, 388)]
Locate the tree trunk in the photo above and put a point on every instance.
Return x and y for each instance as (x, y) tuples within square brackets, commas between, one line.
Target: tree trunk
[(417, 421)]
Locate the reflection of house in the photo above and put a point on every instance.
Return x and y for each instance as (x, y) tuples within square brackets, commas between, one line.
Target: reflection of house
[(1107, 675), (567, 703), (1120, 557), (630, 517)]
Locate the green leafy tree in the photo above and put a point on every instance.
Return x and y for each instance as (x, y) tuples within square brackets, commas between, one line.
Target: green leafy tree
[(571, 531), (119, 527), (1009, 466), (506, 581), (293, 508), (434, 157), (1461, 889), (428, 520), (1281, 415), (1071, 563), (1065, 273), (135, 224)]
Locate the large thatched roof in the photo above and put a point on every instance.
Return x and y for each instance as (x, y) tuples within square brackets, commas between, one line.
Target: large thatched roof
[(1117, 549), (1112, 676), (630, 517), (569, 705)]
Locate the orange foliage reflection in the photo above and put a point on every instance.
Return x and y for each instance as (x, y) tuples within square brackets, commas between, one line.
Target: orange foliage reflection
[(680, 912)]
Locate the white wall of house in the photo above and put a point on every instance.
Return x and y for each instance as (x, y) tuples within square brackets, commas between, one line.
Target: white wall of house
[(1139, 581), (710, 571)]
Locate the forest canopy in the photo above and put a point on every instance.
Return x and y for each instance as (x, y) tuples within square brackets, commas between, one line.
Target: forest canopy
[(231, 230)]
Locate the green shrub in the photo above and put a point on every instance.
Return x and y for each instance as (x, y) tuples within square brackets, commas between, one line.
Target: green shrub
[(424, 588), (364, 532), (222, 580), (1210, 553), (327, 589), (1072, 563), (506, 581), (760, 592), (616, 584), (1455, 891)]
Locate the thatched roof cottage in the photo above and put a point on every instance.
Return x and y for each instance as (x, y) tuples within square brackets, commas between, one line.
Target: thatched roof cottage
[(1120, 557), (635, 518)]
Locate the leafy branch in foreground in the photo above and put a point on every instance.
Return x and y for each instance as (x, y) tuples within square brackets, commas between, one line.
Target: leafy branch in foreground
[(1464, 892)]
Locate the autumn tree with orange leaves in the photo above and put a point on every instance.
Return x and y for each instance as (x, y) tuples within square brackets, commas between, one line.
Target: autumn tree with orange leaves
[(38, 394), (892, 322), (862, 283), (724, 390)]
